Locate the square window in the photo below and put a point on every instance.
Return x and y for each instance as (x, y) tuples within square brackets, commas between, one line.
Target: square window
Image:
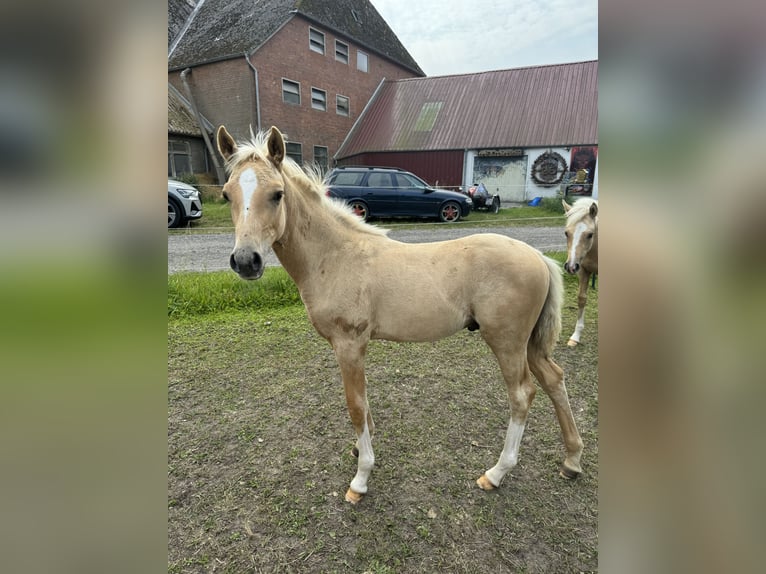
[(291, 92), (316, 41), (341, 51), (320, 157), (294, 151), (361, 61), (319, 99), (342, 106)]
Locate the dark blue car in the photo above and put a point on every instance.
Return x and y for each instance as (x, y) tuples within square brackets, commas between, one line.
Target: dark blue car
[(393, 192)]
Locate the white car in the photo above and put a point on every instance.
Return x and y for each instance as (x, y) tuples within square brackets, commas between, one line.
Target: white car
[(184, 203)]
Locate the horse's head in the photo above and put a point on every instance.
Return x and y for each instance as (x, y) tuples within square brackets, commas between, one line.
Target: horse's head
[(581, 231), (255, 189)]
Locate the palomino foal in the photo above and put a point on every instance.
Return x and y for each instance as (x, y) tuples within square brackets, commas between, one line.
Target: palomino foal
[(582, 253), (357, 284)]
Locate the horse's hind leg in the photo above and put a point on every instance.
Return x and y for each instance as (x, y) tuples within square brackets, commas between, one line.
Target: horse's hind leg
[(350, 358), (582, 298), (551, 379), (521, 391)]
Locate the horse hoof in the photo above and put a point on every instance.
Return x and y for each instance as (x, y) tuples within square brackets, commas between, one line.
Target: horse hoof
[(355, 452), (568, 473), (571, 343), (484, 483), (353, 497)]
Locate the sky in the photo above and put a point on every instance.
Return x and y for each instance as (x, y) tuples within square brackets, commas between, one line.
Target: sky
[(464, 36)]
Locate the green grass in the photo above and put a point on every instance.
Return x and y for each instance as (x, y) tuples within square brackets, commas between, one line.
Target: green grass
[(193, 294), (259, 440), (217, 217)]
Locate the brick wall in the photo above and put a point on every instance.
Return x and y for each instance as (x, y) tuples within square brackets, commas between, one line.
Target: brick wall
[(225, 91)]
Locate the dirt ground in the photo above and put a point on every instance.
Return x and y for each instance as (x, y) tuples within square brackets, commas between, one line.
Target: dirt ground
[(259, 455)]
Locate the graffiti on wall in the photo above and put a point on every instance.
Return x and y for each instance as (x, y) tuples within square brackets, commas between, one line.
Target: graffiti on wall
[(582, 168)]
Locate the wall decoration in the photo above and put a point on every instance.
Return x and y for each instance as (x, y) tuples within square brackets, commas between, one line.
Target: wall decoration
[(549, 169), (582, 170)]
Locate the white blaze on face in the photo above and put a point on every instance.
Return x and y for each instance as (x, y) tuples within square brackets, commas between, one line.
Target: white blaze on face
[(578, 231), (248, 182)]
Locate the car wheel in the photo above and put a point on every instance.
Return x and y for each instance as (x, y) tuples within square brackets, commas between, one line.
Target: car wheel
[(495, 204), (449, 212), (175, 213), (360, 209)]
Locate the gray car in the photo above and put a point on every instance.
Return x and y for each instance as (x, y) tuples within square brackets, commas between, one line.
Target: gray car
[(184, 203)]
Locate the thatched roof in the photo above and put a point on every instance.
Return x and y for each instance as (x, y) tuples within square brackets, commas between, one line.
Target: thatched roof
[(223, 29)]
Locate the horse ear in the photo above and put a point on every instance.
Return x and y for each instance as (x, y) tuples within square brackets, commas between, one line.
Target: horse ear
[(593, 210), (226, 144), (276, 147), (567, 207)]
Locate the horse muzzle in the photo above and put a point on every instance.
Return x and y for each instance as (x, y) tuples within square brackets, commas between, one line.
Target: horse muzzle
[(246, 263), (571, 268)]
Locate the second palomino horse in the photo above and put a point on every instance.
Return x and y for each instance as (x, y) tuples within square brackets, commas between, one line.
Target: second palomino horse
[(582, 253)]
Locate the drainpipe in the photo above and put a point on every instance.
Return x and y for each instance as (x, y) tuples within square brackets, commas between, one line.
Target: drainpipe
[(218, 171), (257, 95)]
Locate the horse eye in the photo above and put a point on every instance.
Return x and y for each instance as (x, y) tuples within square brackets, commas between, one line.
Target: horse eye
[(225, 196), (590, 236), (566, 233), (277, 196)]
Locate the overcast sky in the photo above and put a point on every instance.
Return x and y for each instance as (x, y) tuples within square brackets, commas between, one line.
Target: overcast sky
[(463, 36)]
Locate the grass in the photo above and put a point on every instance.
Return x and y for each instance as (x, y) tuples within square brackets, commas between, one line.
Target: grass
[(194, 294), (259, 440), (217, 218)]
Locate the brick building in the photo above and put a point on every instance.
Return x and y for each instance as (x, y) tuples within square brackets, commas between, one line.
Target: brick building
[(307, 67)]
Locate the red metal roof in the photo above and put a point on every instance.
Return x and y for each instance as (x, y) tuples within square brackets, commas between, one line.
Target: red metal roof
[(538, 106)]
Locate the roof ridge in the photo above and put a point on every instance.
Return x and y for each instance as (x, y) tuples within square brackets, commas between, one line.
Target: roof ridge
[(185, 27), (499, 70)]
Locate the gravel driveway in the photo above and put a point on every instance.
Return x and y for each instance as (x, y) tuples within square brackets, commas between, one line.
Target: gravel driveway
[(210, 252)]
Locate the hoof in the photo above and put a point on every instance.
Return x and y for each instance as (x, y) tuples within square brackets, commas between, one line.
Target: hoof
[(568, 473), (353, 497), (572, 343), (355, 452), (484, 483)]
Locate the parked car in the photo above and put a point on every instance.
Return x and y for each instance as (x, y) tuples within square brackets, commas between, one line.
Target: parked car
[(393, 192), (183, 203)]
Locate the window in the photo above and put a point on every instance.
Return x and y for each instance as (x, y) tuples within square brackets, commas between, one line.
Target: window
[(294, 151), (342, 106), (348, 178), (379, 180), (179, 158), (291, 92), (361, 61), (427, 117), (316, 41), (341, 51), (319, 99), (406, 180), (320, 157)]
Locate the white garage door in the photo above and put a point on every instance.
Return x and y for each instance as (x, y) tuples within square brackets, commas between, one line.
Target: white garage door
[(506, 176)]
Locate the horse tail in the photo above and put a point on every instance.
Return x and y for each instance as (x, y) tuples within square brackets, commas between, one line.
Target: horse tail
[(548, 327)]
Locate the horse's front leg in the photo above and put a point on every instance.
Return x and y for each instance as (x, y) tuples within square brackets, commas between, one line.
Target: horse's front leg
[(582, 298), (350, 356)]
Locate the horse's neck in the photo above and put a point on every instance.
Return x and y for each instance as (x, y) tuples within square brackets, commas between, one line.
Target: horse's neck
[(312, 233), (591, 259)]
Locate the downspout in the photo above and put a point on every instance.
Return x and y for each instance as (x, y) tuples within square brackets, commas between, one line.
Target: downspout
[(257, 95), (218, 171)]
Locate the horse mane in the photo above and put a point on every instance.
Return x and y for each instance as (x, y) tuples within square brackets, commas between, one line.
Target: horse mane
[(309, 181), (580, 209)]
